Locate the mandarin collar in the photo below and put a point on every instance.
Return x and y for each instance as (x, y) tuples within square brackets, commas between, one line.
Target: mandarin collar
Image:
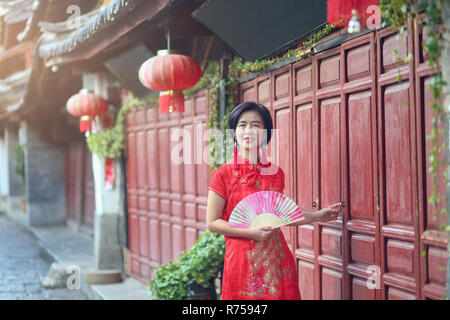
[(252, 166)]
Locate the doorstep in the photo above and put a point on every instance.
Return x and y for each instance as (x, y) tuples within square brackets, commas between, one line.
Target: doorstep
[(129, 289)]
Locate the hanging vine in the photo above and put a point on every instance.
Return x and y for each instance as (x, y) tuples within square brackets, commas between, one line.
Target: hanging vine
[(221, 145), (304, 49)]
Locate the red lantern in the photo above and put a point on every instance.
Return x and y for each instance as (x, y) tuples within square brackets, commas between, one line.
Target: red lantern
[(339, 12), (86, 105), (170, 73)]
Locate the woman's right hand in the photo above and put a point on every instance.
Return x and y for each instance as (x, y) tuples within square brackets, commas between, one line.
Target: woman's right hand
[(261, 233)]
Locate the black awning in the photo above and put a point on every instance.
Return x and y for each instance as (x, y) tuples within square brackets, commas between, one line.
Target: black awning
[(126, 67), (257, 29)]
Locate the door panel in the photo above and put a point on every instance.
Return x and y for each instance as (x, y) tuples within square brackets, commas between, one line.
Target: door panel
[(330, 151), (166, 199), (398, 179), (282, 122), (433, 241), (79, 185)]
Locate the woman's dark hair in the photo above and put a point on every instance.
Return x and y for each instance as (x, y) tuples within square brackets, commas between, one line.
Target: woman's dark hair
[(252, 106)]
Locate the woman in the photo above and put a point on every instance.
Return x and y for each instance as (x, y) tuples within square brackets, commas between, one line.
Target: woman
[(258, 262)]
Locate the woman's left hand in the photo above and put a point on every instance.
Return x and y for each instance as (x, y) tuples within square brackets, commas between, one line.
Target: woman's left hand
[(328, 213)]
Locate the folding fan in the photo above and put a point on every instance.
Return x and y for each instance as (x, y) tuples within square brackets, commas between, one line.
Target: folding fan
[(265, 208)]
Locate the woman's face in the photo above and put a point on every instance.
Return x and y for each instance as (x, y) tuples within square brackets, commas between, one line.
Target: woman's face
[(250, 130)]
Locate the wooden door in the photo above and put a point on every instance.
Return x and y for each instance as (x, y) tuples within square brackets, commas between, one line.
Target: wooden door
[(360, 172), (350, 129), (305, 129), (166, 200), (79, 186), (73, 165), (433, 241), (328, 237), (399, 232)]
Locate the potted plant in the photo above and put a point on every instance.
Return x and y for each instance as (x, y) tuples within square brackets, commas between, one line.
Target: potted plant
[(193, 275)]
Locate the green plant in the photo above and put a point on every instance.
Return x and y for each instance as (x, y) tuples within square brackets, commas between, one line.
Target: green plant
[(209, 77), (303, 50), (109, 143), (220, 149), (19, 167), (201, 264)]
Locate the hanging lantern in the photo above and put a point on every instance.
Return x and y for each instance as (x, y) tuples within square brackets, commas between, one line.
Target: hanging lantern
[(170, 73), (339, 12), (86, 105)]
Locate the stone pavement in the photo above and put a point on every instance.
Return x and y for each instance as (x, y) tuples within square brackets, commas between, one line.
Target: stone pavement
[(22, 265)]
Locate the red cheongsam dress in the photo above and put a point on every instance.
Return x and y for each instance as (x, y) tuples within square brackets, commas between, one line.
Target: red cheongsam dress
[(254, 270)]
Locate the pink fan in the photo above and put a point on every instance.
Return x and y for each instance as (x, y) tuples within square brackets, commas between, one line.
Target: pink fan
[(265, 208)]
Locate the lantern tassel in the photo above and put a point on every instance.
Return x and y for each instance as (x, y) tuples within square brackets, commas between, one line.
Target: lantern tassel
[(171, 101), (85, 124)]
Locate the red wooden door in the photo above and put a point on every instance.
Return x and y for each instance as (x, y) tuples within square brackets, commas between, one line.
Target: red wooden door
[(433, 241), (166, 199), (79, 185), (360, 174), (305, 166), (281, 115), (74, 180), (328, 237), (398, 175), (348, 130)]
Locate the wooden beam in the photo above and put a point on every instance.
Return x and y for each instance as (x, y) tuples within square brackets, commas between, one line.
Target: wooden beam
[(194, 48), (208, 50)]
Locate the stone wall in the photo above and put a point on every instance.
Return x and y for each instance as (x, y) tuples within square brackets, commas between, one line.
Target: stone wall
[(44, 172)]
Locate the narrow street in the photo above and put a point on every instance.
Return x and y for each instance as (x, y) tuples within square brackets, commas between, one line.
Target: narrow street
[(21, 267)]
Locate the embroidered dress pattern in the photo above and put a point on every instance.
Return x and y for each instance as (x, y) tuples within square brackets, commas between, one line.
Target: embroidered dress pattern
[(266, 270)]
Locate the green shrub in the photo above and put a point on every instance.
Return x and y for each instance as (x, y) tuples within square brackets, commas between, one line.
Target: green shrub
[(201, 264)]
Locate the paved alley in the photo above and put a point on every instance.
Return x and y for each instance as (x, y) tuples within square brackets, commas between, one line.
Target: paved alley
[(21, 267)]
